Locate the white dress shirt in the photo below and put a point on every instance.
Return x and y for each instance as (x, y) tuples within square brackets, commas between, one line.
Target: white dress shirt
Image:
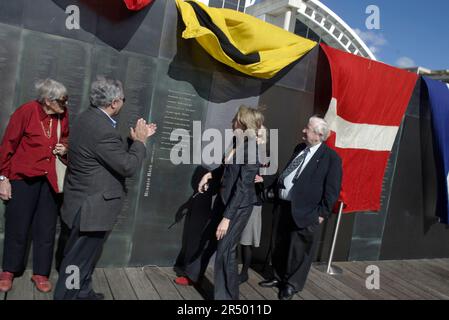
[(284, 194)]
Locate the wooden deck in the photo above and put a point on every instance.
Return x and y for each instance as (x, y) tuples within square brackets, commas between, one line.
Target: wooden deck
[(399, 280)]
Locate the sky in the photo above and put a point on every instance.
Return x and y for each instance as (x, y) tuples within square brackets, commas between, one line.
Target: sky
[(412, 33)]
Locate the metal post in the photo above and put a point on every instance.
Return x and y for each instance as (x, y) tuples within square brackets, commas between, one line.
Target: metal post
[(329, 268), (287, 19)]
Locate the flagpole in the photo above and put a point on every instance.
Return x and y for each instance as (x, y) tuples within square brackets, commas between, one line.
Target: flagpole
[(329, 268)]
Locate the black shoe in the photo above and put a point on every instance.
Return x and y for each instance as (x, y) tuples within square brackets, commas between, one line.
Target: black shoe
[(287, 292), (243, 278), (270, 283), (92, 296)]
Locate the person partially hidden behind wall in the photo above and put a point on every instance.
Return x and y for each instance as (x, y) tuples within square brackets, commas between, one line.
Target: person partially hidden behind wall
[(305, 194), (99, 162)]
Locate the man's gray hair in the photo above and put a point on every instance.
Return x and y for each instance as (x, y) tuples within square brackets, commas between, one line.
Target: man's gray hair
[(49, 89), (320, 127), (104, 91)]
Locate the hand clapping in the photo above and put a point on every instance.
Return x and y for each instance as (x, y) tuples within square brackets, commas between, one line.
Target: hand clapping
[(142, 131)]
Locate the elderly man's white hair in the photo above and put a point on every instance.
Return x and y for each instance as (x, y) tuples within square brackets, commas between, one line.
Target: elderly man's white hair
[(104, 91), (320, 127)]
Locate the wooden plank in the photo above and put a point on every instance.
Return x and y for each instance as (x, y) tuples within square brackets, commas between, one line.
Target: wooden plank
[(358, 283), (118, 282), (385, 291), (429, 278), (22, 288), (421, 268), (340, 282), (49, 295), (306, 294), (317, 291), (435, 268), (360, 279), (187, 292), (253, 281), (163, 285), (100, 284), (142, 286), (409, 281), (210, 276), (388, 283), (326, 286), (386, 276), (255, 278), (249, 292), (426, 268), (443, 263)]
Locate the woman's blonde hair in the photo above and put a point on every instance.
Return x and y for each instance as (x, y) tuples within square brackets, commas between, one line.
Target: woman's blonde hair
[(250, 125), (249, 118)]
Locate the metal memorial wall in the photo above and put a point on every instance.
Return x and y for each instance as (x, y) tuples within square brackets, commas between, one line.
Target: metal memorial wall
[(167, 80)]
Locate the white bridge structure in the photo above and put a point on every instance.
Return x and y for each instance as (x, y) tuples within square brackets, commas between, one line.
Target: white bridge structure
[(321, 23)]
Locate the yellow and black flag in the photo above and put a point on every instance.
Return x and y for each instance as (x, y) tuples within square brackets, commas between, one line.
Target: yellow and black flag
[(241, 41)]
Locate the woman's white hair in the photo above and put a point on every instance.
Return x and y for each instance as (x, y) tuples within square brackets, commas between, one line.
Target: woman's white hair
[(50, 89), (320, 127), (104, 91)]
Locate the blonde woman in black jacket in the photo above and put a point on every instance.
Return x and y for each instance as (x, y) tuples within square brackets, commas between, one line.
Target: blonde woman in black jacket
[(233, 205)]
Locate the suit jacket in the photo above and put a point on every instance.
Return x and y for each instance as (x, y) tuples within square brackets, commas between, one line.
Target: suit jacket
[(317, 189), (98, 163), (237, 185)]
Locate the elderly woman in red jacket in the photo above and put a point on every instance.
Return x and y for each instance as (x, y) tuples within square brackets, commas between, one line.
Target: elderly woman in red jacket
[(37, 133)]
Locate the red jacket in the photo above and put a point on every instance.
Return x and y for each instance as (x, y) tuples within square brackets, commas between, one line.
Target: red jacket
[(26, 151)]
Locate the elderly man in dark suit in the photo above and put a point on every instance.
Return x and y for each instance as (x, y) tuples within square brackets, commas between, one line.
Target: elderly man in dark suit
[(306, 191), (99, 162)]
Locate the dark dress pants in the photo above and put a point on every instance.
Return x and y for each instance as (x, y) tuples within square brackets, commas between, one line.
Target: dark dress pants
[(226, 276), (33, 206), (226, 282), (82, 252), (295, 249)]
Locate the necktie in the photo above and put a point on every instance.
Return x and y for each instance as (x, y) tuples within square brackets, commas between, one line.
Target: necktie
[(296, 163)]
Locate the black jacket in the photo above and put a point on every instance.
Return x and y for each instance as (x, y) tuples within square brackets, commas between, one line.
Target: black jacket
[(237, 189), (99, 162), (317, 189)]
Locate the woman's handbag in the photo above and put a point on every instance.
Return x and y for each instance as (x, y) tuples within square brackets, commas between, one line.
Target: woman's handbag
[(60, 165)]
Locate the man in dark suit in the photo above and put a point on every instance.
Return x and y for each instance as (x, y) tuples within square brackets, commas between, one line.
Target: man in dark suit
[(99, 162), (305, 191)]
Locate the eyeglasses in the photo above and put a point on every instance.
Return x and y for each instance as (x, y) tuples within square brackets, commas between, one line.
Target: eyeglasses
[(62, 102)]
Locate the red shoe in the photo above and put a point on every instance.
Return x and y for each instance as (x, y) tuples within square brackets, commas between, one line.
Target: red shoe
[(6, 279), (42, 283), (183, 281)]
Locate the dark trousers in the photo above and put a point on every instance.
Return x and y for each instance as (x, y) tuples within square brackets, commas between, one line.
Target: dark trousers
[(83, 249), (226, 276), (294, 249), (33, 206), (226, 282)]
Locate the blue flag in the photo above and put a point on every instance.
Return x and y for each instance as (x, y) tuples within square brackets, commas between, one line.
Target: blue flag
[(439, 105)]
